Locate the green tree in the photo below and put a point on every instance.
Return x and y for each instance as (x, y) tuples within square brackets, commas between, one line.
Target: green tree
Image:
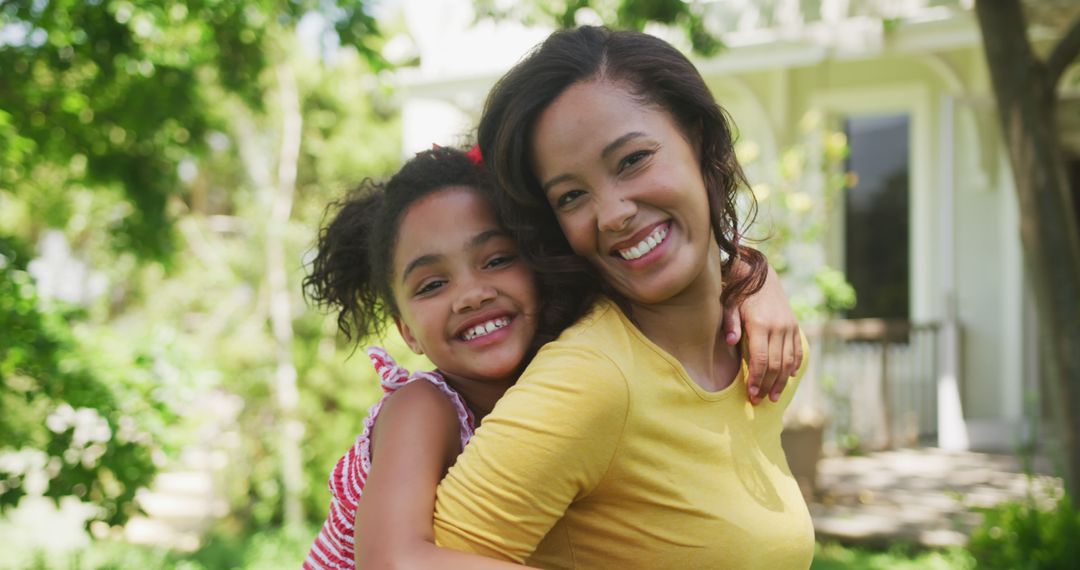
[(1025, 87), (113, 94), (110, 113), (77, 420), (797, 197), (688, 16)]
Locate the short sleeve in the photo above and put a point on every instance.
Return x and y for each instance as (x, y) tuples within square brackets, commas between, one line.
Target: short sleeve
[(548, 442)]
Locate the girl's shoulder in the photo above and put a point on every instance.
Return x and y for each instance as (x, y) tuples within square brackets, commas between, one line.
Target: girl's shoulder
[(401, 385), (409, 392), (418, 412)]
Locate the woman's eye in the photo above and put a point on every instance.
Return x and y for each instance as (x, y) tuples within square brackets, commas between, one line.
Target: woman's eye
[(632, 159), (567, 198), (499, 261), (429, 286)]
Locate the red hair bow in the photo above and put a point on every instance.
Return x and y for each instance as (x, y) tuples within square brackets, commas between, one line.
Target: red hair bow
[(473, 153), (475, 156)]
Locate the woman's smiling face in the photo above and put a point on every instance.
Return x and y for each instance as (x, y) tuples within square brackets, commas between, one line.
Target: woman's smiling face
[(625, 183)]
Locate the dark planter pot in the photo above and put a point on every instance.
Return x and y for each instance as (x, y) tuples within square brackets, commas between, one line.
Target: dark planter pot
[(802, 446)]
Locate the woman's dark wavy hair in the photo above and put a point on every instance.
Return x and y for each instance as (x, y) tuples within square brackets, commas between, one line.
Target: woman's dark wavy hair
[(353, 268), (659, 75)]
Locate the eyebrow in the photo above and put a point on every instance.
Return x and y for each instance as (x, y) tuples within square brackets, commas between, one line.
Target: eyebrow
[(419, 262), (433, 258), (485, 236), (610, 148), (615, 144)]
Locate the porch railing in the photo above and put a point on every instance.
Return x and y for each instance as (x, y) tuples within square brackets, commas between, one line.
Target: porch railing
[(877, 381)]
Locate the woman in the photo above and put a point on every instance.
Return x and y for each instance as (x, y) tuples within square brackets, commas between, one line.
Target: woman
[(626, 443)]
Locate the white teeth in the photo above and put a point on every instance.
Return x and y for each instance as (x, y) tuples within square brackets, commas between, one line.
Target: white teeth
[(646, 245), (485, 328)]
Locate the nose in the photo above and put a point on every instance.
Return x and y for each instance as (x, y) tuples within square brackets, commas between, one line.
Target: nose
[(475, 294), (614, 213)]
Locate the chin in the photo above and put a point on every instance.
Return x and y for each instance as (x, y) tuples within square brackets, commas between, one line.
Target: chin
[(504, 368), (653, 294)]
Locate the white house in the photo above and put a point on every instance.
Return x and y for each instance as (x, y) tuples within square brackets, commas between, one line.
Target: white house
[(930, 232)]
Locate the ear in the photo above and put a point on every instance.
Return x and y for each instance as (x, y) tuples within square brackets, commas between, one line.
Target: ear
[(407, 334)]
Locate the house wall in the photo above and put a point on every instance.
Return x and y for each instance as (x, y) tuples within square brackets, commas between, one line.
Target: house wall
[(980, 240)]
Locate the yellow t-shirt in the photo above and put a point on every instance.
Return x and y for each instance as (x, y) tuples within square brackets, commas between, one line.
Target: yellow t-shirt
[(607, 455)]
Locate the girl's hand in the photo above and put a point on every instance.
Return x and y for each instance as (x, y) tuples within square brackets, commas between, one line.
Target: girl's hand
[(773, 341)]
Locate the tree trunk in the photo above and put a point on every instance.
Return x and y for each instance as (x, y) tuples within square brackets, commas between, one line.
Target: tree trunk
[(1025, 90), (288, 397)]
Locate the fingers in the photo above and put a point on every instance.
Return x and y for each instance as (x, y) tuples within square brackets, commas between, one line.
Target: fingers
[(758, 357), (732, 326), (775, 370), (792, 343), (773, 359), (798, 351)]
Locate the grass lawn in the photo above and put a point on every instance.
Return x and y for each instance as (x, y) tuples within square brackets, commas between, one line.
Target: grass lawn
[(833, 556)]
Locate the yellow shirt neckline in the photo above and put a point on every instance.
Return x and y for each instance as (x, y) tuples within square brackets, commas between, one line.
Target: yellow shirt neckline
[(737, 386)]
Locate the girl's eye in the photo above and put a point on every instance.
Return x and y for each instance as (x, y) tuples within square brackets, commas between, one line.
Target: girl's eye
[(499, 261), (633, 159), (429, 286), (567, 198)]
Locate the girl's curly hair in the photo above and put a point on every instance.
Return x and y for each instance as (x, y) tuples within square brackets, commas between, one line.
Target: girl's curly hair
[(353, 266)]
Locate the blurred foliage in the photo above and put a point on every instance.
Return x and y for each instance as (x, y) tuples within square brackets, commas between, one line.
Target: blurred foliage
[(1028, 534), (77, 417), (797, 194), (123, 128), (833, 556), (112, 93), (688, 18), (347, 136), (267, 549)]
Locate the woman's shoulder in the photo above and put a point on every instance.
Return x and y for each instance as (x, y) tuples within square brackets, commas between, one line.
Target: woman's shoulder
[(602, 323), (595, 348)]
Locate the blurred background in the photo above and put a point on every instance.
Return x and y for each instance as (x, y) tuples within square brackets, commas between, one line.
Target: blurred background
[(169, 399)]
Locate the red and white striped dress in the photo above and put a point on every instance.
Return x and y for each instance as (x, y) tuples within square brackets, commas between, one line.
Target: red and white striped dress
[(333, 547)]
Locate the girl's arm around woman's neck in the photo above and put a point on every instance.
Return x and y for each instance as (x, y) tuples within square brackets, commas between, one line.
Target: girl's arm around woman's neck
[(415, 440)]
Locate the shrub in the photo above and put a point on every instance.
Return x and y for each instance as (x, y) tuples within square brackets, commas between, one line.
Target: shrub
[(1028, 534)]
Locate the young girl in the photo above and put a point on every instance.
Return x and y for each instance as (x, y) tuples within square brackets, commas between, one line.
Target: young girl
[(426, 250)]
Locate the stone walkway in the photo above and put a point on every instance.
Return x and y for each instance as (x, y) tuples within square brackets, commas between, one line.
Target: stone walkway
[(922, 496)]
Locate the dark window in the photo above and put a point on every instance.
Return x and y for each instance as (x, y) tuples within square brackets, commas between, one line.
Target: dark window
[(876, 216)]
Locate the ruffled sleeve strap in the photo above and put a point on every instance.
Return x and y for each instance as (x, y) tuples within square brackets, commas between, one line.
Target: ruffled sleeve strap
[(348, 477), (392, 376)]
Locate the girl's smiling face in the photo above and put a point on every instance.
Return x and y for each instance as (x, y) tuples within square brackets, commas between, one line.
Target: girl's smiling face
[(625, 183), (466, 299)]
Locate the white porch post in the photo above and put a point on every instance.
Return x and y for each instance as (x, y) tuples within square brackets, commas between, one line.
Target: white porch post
[(952, 429)]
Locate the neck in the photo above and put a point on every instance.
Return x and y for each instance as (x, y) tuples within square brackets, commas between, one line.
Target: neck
[(689, 327), (479, 395)]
